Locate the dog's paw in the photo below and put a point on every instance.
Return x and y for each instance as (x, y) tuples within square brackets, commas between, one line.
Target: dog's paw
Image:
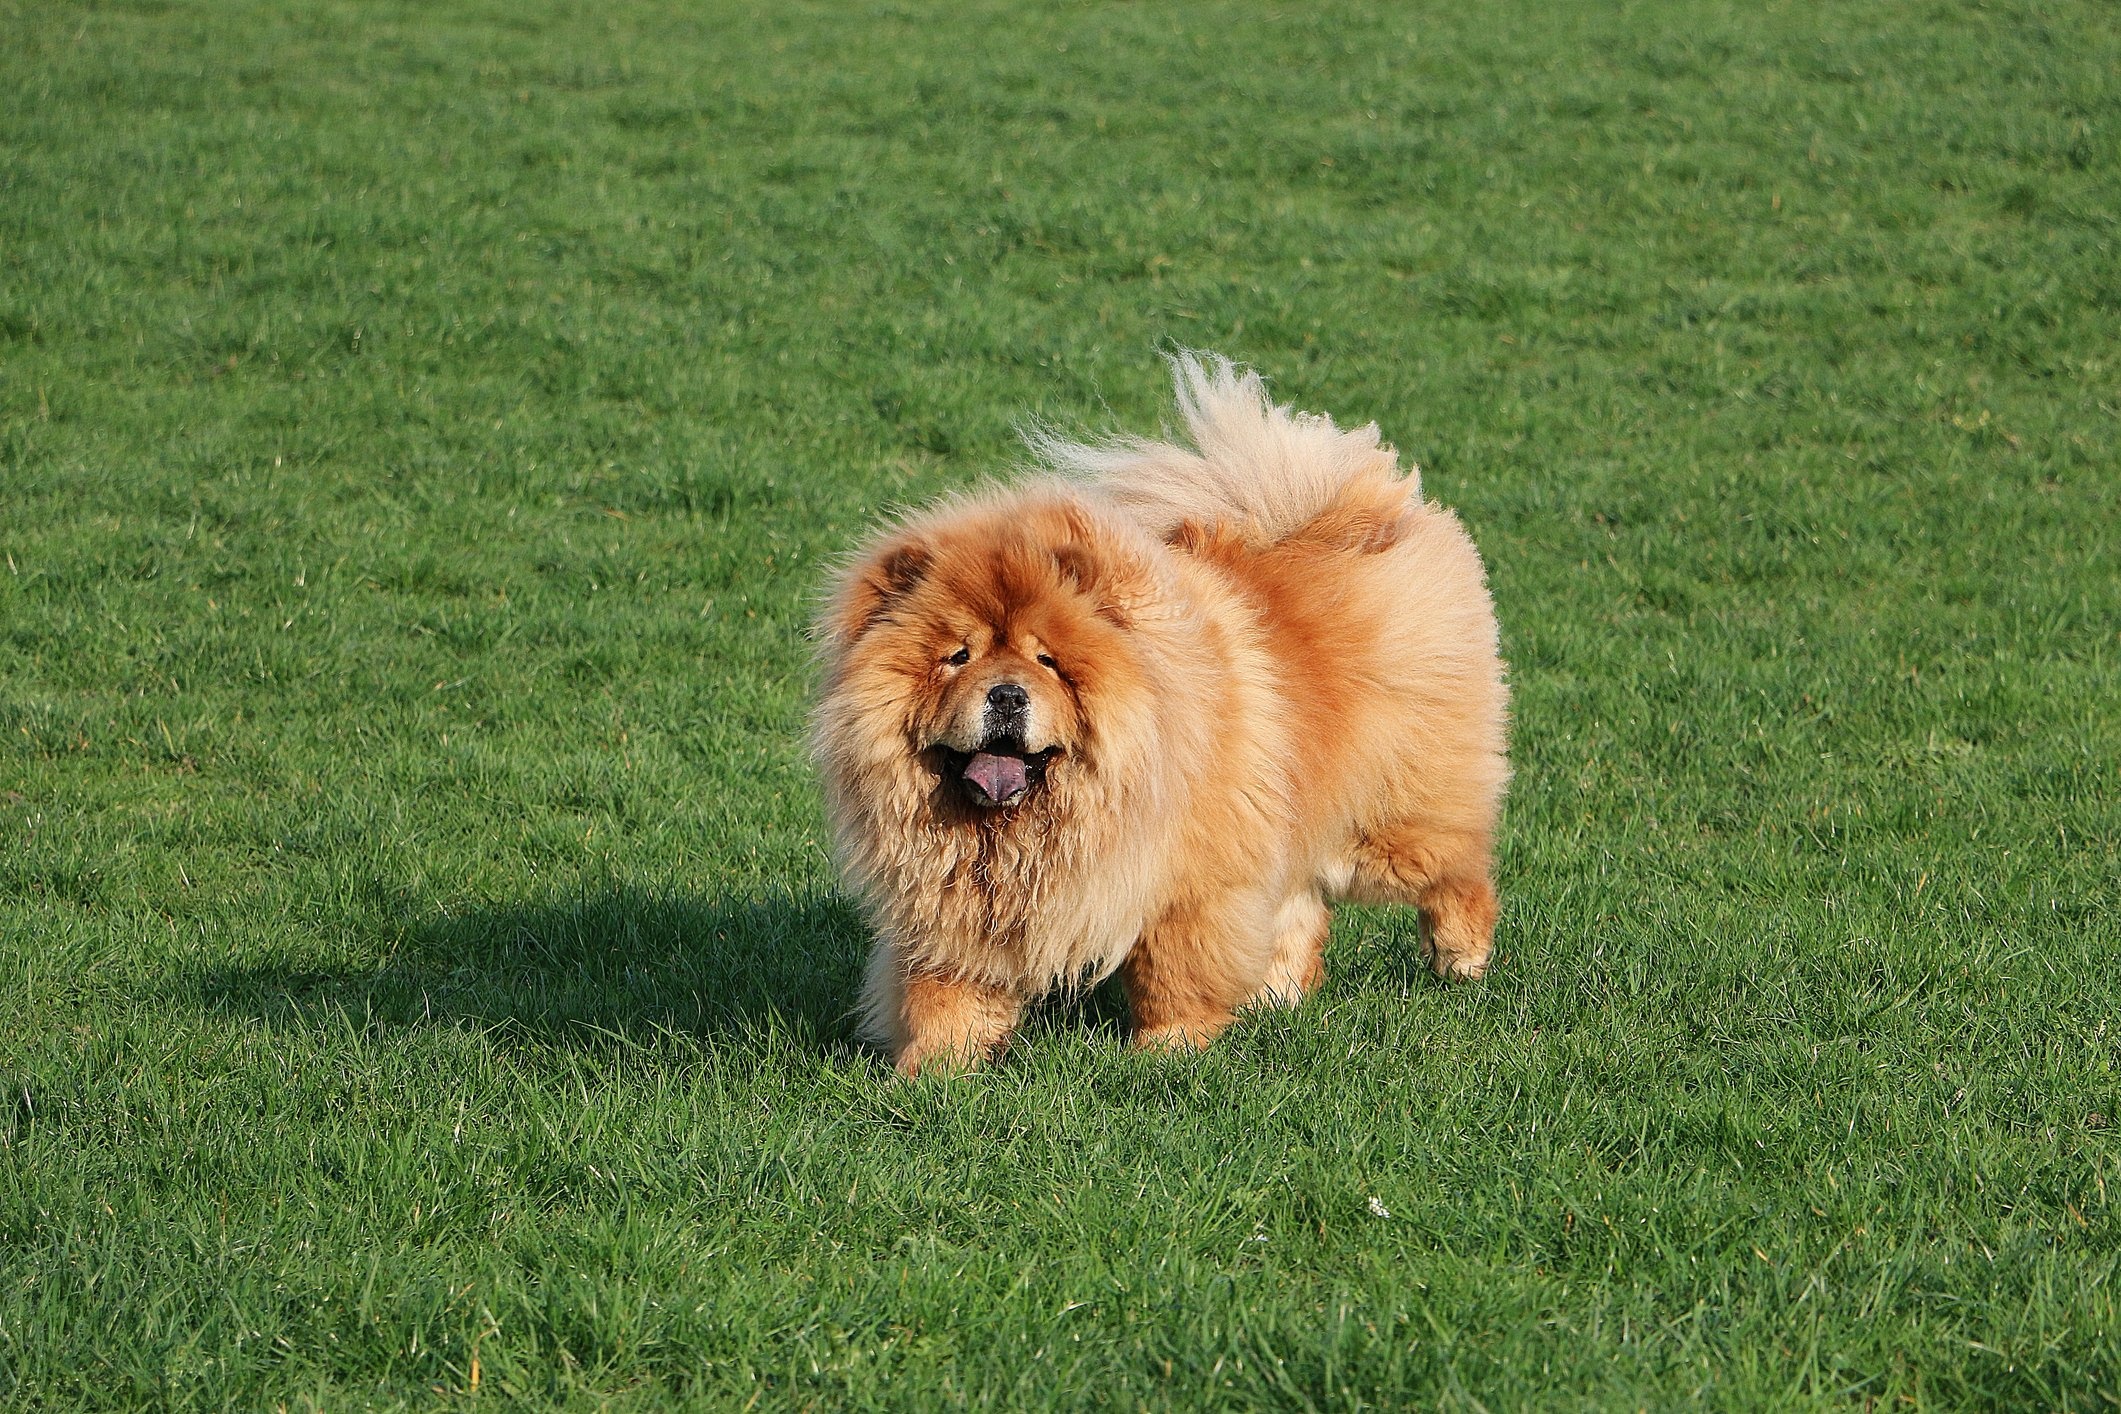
[(946, 1057), (1179, 1036), (1460, 967)]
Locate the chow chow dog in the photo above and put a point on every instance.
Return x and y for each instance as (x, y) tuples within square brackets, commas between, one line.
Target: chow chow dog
[(1152, 709)]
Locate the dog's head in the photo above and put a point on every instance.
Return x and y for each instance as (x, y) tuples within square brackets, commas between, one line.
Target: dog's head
[(992, 641)]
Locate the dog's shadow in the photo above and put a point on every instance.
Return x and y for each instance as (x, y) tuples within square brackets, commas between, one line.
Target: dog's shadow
[(629, 962), (760, 971)]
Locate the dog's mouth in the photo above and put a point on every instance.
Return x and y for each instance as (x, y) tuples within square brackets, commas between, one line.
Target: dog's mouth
[(999, 774)]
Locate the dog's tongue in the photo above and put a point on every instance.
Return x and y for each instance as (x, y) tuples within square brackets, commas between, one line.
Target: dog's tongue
[(998, 776)]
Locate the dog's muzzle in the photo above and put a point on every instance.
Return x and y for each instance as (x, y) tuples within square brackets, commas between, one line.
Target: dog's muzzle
[(1001, 771)]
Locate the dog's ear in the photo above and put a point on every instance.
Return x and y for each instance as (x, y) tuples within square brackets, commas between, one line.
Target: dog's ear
[(877, 581), (1207, 540)]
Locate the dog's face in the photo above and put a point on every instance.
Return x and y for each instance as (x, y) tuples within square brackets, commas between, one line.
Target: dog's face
[(1000, 710), (990, 645)]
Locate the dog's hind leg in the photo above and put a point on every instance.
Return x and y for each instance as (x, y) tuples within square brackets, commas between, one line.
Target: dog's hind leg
[(1448, 877), (1458, 926), (1299, 962)]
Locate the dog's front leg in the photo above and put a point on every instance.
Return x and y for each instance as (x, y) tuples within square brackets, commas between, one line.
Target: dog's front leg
[(929, 1019), (1191, 970)]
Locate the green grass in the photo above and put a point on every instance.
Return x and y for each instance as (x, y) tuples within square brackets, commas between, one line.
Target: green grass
[(422, 426)]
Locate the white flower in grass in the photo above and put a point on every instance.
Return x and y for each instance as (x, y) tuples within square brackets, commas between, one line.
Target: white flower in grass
[(1378, 1208)]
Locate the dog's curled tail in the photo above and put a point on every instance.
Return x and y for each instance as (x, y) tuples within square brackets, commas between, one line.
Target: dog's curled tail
[(1240, 462)]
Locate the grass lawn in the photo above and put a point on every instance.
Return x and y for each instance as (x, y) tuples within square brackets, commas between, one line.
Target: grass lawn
[(423, 426)]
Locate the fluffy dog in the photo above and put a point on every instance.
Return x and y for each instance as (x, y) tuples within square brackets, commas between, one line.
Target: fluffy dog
[(1151, 711)]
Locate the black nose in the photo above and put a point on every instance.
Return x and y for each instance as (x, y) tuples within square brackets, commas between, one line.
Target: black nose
[(1008, 699)]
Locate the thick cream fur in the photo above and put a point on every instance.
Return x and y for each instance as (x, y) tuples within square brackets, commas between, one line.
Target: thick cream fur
[(1277, 685)]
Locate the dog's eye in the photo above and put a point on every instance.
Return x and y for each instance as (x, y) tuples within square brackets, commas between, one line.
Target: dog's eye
[(1045, 660), (958, 659)]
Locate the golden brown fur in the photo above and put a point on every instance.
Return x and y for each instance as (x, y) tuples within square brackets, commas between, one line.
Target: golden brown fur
[(1221, 684)]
